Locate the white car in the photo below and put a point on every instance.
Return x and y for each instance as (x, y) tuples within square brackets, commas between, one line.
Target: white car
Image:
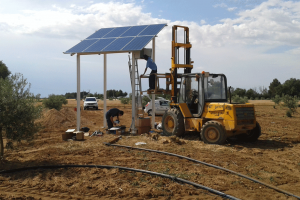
[(161, 106), (90, 102)]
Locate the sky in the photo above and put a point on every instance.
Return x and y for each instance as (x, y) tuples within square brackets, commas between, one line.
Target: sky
[(252, 42)]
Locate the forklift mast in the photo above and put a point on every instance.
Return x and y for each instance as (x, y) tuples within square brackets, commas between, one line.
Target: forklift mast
[(187, 63)]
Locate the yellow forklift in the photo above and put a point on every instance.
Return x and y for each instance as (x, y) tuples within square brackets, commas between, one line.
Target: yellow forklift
[(201, 104)]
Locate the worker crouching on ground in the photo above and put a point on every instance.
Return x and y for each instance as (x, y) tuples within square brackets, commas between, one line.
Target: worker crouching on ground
[(114, 112), (150, 64)]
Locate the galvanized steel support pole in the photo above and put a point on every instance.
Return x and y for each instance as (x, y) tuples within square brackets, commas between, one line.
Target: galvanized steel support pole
[(133, 94), (104, 90), (78, 92), (153, 95)]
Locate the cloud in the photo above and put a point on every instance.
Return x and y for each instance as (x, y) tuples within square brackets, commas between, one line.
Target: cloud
[(74, 21), (231, 9), (295, 51), (271, 23), (221, 5)]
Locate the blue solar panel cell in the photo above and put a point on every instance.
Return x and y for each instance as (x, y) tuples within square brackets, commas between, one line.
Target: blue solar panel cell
[(117, 32), (152, 29), (118, 44), (81, 46), (134, 31), (138, 43), (99, 45), (100, 33)]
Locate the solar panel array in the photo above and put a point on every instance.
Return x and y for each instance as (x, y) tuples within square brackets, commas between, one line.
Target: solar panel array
[(119, 39)]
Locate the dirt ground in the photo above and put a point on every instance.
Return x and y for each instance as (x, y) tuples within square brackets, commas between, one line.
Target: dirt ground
[(274, 159)]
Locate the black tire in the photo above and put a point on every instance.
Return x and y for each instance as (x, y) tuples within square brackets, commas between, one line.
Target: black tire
[(96, 108), (84, 108), (149, 112), (173, 123), (252, 135), (213, 132)]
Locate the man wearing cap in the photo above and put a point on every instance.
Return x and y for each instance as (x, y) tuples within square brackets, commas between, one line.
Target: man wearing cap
[(114, 112), (150, 64)]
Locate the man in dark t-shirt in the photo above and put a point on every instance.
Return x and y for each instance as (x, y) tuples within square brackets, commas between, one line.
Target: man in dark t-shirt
[(114, 112)]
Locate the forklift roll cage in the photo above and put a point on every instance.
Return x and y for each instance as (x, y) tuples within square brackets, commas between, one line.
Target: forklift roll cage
[(197, 89)]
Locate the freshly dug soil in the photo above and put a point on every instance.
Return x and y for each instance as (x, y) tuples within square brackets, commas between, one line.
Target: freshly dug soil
[(274, 159)]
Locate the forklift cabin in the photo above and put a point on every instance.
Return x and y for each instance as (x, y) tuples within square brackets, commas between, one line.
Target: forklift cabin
[(197, 89)]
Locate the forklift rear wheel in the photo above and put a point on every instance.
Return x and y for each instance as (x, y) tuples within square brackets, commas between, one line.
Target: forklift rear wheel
[(213, 133), (172, 122)]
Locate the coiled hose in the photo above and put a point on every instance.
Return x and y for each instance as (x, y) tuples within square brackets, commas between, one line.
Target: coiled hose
[(210, 165), (127, 169)]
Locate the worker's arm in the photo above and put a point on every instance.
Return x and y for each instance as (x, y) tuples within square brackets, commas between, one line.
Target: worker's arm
[(147, 65), (145, 71), (112, 120)]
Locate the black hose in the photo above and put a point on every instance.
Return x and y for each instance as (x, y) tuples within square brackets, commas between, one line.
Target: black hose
[(210, 165), (124, 168)]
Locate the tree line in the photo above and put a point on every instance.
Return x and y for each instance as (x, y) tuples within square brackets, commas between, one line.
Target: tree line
[(290, 87), (111, 94)]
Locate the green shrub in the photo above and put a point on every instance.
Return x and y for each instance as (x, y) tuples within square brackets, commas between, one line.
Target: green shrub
[(289, 113), (276, 100), (145, 100), (238, 99), (55, 101), (290, 102), (125, 100)]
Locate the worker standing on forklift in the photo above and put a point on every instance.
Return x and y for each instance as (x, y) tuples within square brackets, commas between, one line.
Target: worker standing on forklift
[(114, 112), (151, 64)]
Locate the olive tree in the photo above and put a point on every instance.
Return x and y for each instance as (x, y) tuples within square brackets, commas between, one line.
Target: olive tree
[(291, 103), (4, 72), (18, 110), (55, 101), (276, 100)]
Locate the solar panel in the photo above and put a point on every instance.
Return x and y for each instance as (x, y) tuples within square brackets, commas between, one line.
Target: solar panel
[(130, 38), (116, 32), (118, 44), (138, 43), (152, 30), (80, 47), (134, 31), (100, 33), (99, 45)]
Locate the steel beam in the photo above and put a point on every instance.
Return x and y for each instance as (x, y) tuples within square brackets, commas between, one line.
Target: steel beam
[(78, 92)]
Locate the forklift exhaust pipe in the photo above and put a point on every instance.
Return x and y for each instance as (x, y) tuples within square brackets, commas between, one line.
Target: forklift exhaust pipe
[(229, 95)]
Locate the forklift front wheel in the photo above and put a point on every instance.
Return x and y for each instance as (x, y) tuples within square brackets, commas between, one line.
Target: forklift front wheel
[(213, 133), (173, 123)]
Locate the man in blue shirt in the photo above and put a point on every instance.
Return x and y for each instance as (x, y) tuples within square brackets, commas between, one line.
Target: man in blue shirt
[(153, 67), (114, 112)]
